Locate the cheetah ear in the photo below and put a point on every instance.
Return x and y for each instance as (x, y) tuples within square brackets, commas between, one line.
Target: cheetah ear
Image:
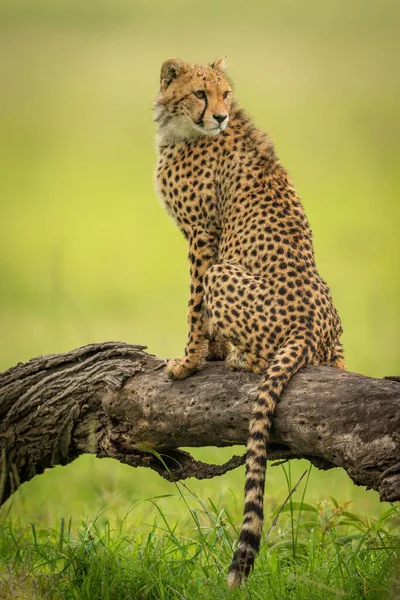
[(221, 64), (171, 69)]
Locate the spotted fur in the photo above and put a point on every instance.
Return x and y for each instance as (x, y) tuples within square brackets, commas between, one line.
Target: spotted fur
[(256, 297)]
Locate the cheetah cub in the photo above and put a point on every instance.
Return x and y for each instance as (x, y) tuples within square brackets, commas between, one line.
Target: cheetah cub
[(256, 298)]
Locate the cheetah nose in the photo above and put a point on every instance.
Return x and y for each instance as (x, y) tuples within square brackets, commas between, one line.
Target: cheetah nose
[(220, 118)]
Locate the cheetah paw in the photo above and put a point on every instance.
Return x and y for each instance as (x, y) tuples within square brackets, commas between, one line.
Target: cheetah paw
[(178, 368), (236, 361)]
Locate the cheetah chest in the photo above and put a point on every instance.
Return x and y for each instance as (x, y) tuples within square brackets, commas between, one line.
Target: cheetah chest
[(186, 186)]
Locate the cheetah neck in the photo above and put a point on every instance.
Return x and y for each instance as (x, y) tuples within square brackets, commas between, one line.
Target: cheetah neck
[(172, 132)]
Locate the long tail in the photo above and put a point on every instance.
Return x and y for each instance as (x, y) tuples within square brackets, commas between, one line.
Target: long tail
[(284, 365)]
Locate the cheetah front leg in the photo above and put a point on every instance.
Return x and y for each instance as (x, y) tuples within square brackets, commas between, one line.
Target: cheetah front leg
[(202, 255)]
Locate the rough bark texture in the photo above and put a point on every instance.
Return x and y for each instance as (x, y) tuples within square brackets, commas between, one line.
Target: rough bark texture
[(114, 400)]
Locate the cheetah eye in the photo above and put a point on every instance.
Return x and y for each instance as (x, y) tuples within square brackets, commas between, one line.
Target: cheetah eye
[(200, 94), (226, 94)]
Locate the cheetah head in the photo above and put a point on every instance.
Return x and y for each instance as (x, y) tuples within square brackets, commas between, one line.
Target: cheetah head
[(193, 100)]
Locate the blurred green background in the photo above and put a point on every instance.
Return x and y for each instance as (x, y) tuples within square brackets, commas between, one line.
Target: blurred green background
[(87, 252)]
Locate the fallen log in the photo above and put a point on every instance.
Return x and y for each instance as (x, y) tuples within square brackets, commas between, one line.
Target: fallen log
[(114, 400)]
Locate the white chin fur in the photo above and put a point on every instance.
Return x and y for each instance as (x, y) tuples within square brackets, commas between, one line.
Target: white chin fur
[(208, 130), (183, 128), (211, 129)]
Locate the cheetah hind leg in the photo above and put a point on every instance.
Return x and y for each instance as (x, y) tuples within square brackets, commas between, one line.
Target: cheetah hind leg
[(220, 349), (235, 360)]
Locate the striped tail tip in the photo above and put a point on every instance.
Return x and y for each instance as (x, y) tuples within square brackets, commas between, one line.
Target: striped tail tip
[(234, 579), (242, 563)]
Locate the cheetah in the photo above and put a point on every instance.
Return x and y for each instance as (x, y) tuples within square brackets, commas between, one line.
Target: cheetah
[(256, 297)]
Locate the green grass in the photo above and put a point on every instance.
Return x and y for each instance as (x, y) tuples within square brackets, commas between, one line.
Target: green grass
[(87, 254), (320, 550)]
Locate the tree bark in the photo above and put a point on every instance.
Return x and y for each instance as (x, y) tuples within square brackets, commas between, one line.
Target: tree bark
[(114, 400)]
